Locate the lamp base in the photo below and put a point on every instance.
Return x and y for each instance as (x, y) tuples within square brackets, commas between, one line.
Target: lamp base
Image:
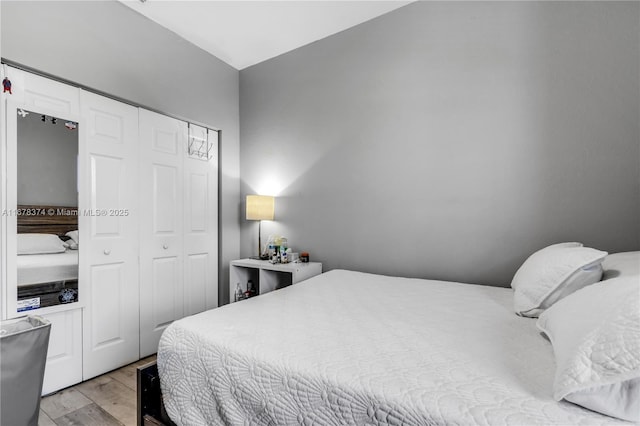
[(261, 257)]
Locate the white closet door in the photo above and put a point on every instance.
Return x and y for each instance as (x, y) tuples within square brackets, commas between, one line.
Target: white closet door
[(64, 354), (40, 95), (109, 234), (201, 225), (162, 148)]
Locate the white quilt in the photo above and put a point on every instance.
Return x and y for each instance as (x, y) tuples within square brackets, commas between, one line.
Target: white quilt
[(361, 349), (44, 268)]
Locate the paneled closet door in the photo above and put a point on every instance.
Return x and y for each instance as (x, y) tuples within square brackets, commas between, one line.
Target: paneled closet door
[(64, 354), (109, 236), (39, 94), (162, 149), (201, 222)]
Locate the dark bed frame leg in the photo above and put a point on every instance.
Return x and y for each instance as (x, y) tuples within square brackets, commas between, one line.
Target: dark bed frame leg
[(150, 406)]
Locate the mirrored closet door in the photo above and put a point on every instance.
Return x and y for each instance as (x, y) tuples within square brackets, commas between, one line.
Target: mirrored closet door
[(40, 169)]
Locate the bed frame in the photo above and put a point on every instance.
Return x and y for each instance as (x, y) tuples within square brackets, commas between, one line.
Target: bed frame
[(151, 410)]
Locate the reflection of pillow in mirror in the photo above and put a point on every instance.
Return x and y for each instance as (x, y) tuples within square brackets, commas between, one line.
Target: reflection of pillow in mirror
[(74, 236), (40, 244)]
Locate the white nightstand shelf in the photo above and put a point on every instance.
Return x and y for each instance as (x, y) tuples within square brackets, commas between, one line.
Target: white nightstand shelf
[(266, 276)]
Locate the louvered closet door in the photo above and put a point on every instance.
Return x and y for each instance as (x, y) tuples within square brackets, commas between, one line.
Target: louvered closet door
[(201, 222), (109, 235), (162, 148)]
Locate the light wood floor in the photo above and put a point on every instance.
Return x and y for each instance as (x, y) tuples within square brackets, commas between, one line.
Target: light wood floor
[(106, 400)]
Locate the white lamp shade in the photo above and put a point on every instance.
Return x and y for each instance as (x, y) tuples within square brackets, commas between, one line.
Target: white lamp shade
[(260, 207)]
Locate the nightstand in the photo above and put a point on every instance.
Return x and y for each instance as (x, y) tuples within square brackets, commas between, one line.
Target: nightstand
[(267, 276)]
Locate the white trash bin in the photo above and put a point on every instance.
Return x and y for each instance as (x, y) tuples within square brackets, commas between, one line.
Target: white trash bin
[(23, 354)]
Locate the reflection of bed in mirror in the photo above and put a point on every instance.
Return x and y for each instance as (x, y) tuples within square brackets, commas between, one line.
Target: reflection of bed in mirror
[(51, 278)]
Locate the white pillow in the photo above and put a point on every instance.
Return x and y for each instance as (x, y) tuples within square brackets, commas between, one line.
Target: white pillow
[(71, 245), (621, 264), (552, 273), (74, 236), (595, 334), (40, 244)]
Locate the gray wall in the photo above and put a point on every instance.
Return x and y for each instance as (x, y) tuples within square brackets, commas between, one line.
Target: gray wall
[(450, 140), (106, 46), (47, 162)]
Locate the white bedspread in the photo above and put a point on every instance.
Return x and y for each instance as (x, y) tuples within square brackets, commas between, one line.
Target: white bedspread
[(353, 348), (44, 268)]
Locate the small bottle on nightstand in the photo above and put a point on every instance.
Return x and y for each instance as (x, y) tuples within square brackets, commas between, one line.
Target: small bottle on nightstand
[(239, 295)]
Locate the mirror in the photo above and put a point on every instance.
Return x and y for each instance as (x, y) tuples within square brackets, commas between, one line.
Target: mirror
[(47, 210)]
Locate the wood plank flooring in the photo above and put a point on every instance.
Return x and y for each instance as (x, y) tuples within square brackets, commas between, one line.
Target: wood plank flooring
[(106, 400)]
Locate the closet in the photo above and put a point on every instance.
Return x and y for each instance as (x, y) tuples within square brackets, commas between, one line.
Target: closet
[(147, 204)]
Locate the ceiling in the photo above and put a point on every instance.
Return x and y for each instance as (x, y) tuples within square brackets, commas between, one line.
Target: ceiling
[(244, 33)]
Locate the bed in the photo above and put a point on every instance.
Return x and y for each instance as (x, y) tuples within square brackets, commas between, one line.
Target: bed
[(355, 348)]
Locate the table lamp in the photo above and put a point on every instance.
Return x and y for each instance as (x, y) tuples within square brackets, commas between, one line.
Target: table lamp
[(260, 207)]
